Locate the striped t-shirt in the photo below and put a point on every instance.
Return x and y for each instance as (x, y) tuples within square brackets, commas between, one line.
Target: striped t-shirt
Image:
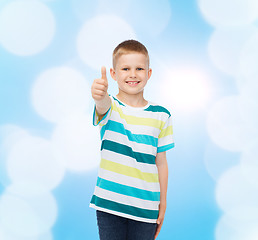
[(128, 183)]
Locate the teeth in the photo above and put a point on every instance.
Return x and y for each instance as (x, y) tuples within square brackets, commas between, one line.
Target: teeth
[(132, 83)]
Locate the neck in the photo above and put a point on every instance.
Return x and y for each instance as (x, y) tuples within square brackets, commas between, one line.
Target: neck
[(132, 100)]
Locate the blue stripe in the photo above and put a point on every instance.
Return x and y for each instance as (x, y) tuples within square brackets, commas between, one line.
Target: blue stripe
[(103, 130), (139, 138), (165, 148), (127, 190)]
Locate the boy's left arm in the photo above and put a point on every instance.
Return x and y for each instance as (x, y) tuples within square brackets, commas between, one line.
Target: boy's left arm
[(162, 165)]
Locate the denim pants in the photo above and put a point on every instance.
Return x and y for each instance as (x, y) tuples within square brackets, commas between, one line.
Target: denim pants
[(112, 227)]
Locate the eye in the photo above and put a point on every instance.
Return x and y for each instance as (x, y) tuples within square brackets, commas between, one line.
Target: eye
[(140, 69), (125, 69)]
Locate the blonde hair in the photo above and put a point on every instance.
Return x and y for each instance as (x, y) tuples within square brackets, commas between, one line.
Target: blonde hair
[(129, 46)]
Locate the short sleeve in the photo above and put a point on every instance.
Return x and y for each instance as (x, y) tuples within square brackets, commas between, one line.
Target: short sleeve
[(165, 140), (105, 118)]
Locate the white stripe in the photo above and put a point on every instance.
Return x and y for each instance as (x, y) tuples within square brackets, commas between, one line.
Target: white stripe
[(143, 114), (165, 140), (128, 161), (128, 181), (123, 214), (127, 200), (123, 139)]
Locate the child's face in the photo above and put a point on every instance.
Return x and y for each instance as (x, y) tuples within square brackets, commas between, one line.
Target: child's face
[(131, 73)]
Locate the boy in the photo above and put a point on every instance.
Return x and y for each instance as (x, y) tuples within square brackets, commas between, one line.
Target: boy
[(130, 195)]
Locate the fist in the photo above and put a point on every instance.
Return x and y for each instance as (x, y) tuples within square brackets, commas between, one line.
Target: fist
[(100, 86)]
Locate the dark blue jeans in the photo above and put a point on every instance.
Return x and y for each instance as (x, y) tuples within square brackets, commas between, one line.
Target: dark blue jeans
[(112, 227)]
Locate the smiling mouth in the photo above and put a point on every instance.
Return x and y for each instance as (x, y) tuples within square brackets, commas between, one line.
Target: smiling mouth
[(133, 82)]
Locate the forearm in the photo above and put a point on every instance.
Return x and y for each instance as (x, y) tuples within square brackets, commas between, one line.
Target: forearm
[(162, 166), (163, 181)]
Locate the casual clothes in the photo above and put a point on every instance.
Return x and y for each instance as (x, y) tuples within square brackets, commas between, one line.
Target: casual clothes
[(128, 183)]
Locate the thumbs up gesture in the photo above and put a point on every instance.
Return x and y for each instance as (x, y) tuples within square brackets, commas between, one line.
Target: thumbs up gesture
[(100, 86)]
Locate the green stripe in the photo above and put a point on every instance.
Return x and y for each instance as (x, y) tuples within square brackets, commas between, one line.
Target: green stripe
[(119, 207), (119, 101), (127, 190), (125, 150), (153, 108)]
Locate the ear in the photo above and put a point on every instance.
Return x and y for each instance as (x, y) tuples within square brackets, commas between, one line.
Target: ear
[(113, 73), (149, 73)]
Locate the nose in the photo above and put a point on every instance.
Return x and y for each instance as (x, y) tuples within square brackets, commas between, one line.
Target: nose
[(132, 73)]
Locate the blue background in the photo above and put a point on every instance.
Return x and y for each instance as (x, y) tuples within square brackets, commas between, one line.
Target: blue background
[(193, 211)]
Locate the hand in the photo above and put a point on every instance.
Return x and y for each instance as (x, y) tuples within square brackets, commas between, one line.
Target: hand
[(162, 210), (100, 86)]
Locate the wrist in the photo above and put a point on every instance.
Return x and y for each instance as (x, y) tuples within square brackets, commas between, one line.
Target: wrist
[(103, 105), (102, 100)]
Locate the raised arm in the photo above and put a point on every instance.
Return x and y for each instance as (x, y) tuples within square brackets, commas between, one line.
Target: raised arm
[(100, 95)]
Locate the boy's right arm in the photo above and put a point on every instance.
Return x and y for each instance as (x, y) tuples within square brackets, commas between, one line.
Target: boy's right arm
[(100, 95)]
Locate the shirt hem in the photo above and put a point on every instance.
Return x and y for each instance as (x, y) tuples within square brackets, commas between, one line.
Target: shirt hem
[(123, 214)]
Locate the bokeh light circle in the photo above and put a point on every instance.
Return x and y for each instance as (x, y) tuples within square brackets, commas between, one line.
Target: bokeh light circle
[(234, 190), (226, 126), (99, 36), (229, 12), (154, 18), (83, 9), (149, 23), (249, 58), (249, 162), (59, 92), (225, 47), (237, 227), (253, 235), (218, 160), (27, 216), (32, 160), (9, 235), (187, 88), (77, 143), (249, 104), (9, 135), (26, 27)]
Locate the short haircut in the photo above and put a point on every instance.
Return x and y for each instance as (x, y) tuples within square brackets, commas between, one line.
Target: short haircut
[(129, 46)]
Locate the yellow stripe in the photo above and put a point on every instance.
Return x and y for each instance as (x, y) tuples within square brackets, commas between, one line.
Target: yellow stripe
[(165, 132), (128, 171), (139, 120)]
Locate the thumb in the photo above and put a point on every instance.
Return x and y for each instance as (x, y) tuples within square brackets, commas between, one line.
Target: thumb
[(103, 73)]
